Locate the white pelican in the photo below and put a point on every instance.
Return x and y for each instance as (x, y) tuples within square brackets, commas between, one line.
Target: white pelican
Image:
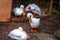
[(18, 34), (34, 22), (19, 11), (34, 8)]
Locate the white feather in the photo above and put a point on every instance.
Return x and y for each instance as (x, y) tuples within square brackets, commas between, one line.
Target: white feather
[(34, 6), (21, 6), (18, 34), (18, 11), (35, 21)]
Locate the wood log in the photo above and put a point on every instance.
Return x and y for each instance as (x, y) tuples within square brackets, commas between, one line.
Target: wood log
[(5, 10)]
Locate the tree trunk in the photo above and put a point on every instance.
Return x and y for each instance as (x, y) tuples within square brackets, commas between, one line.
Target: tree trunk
[(51, 6)]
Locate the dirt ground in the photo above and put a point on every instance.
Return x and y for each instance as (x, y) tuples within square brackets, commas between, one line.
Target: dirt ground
[(47, 29)]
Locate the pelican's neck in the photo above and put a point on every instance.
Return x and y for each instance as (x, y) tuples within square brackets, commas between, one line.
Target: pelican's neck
[(30, 19), (23, 11)]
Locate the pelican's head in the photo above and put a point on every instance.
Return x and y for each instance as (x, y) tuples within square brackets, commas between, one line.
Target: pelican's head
[(20, 28), (29, 8), (21, 6), (30, 16)]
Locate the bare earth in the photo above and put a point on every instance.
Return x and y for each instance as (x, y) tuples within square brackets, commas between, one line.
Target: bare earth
[(46, 29)]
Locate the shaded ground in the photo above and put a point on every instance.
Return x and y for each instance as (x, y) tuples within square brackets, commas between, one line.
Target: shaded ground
[(46, 26)]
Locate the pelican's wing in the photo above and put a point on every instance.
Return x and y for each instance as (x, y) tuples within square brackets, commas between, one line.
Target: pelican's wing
[(38, 10), (34, 6)]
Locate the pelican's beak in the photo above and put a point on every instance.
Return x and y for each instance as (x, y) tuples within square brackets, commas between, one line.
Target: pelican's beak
[(30, 20), (28, 36), (23, 14)]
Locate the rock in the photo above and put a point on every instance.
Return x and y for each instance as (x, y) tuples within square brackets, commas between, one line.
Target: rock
[(42, 36)]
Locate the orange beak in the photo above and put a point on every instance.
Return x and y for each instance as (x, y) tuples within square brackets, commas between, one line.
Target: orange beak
[(30, 20), (28, 36), (23, 14)]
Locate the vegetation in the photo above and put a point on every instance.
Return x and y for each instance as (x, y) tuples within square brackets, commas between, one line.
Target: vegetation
[(56, 10), (51, 7)]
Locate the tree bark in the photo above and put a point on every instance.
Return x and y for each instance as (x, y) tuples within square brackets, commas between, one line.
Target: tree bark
[(51, 6)]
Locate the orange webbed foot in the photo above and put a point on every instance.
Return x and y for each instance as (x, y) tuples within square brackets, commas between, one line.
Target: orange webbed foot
[(34, 30)]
